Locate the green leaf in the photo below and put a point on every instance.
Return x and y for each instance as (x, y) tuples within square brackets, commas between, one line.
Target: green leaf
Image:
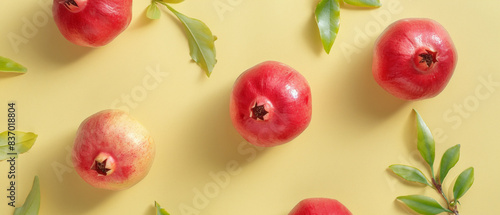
[(153, 12), (32, 204), (201, 41), (172, 1), (423, 204), (410, 173), (328, 20), (425, 144), (23, 142), (463, 183), (8, 65), (159, 210), (364, 3), (448, 161)]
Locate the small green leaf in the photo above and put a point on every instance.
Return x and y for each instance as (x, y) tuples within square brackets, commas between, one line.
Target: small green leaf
[(32, 204), (463, 183), (159, 210), (328, 20), (172, 1), (153, 12), (201, 41), (364, 3), (448, 161), (423, 204), (23, 142), (425, 144), (8, 65), (410, 173)]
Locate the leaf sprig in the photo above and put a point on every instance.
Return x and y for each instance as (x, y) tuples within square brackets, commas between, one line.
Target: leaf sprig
[(200, 38), (8, 65), (426, 146), (32, 203), (23, 141), (327, 15), (159, 210)]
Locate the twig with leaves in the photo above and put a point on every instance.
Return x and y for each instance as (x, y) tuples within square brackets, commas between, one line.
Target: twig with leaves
[(200, 38), (426, 147)]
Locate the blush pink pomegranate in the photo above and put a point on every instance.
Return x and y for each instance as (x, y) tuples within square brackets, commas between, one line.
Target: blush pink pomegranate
[(270, 104), (414, 59), (92, 23), (320, 206), (112, 150)]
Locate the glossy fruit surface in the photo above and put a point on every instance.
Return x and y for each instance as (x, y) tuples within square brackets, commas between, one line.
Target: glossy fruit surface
[(320, 206), (92, 23), (270, 104), (112, 150), (414, 59)]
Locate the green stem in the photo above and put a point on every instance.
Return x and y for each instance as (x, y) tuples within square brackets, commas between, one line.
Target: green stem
[(163, 3), (439, 188), (168, 6)]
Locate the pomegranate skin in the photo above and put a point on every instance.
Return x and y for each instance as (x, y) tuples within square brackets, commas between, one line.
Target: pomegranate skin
[(414, 59), (94, 23), (121, 140), (270, 104), (320, 206)]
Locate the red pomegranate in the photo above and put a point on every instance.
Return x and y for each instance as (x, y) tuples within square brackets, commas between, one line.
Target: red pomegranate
[(414, 59), (112, 150), (92, 23), (320, 206), (270, 104)]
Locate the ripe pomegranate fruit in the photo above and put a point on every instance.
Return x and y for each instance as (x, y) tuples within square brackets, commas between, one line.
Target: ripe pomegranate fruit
[(112, 150), (414, 59), (270, 104), (92, 23), (320, 206)]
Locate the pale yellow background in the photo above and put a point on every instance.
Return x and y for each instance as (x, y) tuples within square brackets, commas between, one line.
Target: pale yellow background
[(357, 129)]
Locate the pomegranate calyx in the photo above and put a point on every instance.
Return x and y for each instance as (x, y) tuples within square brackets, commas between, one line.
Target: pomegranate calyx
[(258, 112), (74, 6), (100, 167), (103, 164), (69, 3), (429, 58)]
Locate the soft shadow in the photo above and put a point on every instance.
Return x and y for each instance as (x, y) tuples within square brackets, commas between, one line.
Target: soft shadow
[(367, 96), (10, 74), (150, 210), (76, 196), (410, 132), (73, 195), (42, 37), (220, 140), (50, 45), (175, 19), (142, 20), (311, 33)]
